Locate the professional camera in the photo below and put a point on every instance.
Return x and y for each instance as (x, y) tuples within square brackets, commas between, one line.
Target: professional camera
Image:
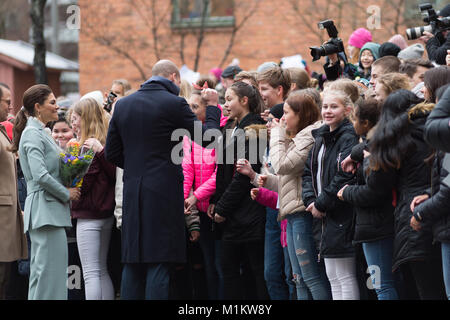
[(109, 101), (435, 24), (334, 45)]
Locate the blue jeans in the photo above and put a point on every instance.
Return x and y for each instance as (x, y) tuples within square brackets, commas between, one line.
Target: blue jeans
[(148, 281), (211, 249), (445, 248), (379, 255), (274, 258), (288, 273), (310, 279)]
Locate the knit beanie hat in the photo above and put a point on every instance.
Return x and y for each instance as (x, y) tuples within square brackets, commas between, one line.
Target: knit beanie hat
[(414, 51), (373, 47), (96, 95), (217, 72), (277, 110), (399, 40), (266, 66), (360, 37), (389, 49)]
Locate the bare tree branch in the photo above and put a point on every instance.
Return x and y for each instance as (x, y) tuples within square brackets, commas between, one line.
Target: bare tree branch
[(201, 33), (306, 22), (182, 38), (235, 30), (110, 44)]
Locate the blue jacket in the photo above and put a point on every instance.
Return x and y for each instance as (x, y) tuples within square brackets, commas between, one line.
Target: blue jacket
[(139, 141)]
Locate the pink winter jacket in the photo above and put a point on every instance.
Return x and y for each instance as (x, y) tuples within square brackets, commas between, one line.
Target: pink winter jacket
[(223, 119), (269, 198), (199, 169)]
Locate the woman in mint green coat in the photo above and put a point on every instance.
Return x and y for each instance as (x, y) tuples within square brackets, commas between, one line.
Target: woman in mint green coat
[(47, 209)]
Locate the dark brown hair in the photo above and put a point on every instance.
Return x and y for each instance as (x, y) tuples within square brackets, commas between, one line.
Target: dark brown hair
[(369, 110), (305, 107), (242, 89), (35, 94), (301, 78), (210, 81), (436, 78)]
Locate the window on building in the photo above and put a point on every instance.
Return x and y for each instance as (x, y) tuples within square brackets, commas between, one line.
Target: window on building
[(190, 13)]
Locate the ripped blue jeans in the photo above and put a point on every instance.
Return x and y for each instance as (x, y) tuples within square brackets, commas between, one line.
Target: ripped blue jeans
[(309, 277)]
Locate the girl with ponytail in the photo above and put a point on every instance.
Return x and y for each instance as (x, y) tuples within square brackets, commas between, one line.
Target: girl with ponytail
[(47, 210), (242, 219)]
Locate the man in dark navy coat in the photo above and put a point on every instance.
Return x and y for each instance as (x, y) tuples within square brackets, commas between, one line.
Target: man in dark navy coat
[(139, 141)]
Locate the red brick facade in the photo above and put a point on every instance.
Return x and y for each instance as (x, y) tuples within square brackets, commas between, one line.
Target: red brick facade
[(274, 30)]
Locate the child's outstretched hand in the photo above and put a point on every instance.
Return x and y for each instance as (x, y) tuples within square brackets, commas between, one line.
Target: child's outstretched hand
[(254, 193)]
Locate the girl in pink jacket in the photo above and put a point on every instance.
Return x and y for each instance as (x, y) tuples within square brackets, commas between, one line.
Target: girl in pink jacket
[(199, 169)]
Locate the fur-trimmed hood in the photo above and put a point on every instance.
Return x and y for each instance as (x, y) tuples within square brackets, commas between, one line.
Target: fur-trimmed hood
[(420, 110), (256, 130)]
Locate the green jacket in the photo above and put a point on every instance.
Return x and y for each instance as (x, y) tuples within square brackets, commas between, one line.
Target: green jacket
[(47, 200)]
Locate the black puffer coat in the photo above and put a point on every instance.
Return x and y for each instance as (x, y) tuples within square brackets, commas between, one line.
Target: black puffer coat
[(245, 218), (413, 179), (436, 209), (372, 200), (437, 127), (333, 233)]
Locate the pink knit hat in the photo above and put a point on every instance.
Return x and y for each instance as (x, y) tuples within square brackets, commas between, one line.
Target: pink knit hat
[(359, 37), (217, 72), (399, 40)]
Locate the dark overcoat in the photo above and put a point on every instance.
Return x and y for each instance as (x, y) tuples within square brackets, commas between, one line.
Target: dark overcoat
[(140, 141)]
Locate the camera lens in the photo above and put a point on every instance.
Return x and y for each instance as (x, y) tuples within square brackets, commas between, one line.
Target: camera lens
[(417, 32), (317, 52)]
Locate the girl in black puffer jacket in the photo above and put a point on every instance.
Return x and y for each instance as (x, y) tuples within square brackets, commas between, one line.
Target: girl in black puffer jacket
[(243, 220), (322, 179), (398, 146), (435, 208), (372, 200)]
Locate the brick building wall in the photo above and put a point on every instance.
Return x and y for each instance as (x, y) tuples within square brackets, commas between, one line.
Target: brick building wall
[(116, 38)]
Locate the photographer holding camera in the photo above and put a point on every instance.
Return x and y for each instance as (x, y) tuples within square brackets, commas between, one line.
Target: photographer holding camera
[(438, 43), (118, 89), (337, 64)]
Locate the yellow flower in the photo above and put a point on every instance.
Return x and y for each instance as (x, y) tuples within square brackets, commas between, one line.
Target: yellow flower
[(79, 183)]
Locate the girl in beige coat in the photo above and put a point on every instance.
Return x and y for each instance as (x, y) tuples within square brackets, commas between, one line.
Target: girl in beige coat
[(290, 143)]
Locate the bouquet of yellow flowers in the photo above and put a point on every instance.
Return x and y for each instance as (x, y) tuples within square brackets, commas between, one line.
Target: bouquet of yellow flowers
[(75, 162)]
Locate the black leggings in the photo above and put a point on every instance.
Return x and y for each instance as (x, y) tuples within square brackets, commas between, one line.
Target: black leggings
[(423, 280), (233, 256)]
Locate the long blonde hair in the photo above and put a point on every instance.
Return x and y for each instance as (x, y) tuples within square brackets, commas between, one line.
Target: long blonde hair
[(94, 122)]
